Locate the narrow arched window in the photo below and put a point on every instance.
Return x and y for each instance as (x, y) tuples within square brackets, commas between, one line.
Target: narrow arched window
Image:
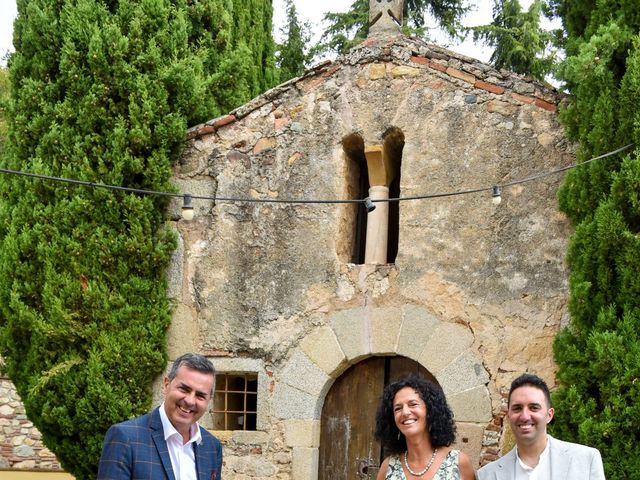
[(374, 172), (357, 187)]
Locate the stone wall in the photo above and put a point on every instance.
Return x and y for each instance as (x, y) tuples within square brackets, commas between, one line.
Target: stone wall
[(21, 446)]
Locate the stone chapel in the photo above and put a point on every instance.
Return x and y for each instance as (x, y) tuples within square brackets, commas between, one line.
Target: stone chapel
[(348, 230)]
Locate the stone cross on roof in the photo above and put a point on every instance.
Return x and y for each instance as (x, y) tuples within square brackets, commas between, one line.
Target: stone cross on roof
[(385, 16)]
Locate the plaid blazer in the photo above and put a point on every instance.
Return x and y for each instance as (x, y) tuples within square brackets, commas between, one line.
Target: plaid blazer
[(136, 450)]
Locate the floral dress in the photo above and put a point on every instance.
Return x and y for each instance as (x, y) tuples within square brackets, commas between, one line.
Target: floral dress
[(448, 469)]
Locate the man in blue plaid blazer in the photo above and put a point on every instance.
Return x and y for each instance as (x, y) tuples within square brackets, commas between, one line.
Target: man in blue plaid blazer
[(168, 443)]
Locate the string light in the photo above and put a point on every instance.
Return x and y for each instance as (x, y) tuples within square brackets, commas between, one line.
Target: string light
[(369, 205), (187, 207), (496, 198)]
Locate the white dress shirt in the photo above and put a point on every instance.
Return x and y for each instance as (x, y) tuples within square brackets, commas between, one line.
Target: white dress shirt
[(183, 458), (542, 471)]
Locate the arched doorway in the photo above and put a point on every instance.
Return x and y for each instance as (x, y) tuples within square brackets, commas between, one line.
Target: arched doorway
[(348, 450)]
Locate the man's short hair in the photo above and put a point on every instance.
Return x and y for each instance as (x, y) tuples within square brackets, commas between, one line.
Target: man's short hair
[(528, 379), (193, 361)]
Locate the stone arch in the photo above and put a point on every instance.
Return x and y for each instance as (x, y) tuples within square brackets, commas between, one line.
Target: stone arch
[(443, 348)]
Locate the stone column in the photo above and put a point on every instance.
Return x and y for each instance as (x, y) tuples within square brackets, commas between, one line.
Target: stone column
[(380, 176), (377, 227)]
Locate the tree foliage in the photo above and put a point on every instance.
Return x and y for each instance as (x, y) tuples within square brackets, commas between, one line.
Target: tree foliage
[(103, 91), (350, 28), (4, 99), (599, 354), (519, 42), (294, 54)]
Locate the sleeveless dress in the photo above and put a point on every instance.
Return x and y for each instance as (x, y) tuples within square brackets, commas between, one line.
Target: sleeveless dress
[(448, 469)]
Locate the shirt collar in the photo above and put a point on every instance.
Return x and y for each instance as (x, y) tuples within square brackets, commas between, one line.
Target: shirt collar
[(170, 430), (543, 457)]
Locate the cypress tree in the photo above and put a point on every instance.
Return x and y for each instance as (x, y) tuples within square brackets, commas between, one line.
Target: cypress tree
[(4, 99), (520, 44), (103, 91), (293, 54), (598, 355)]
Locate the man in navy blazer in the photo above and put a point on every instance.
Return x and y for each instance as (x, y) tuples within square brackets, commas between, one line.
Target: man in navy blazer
[(537, 454), (168, 443)]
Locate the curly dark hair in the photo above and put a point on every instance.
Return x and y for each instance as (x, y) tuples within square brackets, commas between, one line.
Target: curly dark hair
[(440, 423)]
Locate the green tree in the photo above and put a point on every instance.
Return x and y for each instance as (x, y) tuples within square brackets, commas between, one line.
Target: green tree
[(349, 28), (103, 91), (519, 42), (235, 39), (598, 355), (293, 55), (4, 99)]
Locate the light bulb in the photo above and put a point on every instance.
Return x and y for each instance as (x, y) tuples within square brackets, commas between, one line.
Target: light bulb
[(187, 207), (496, 198)]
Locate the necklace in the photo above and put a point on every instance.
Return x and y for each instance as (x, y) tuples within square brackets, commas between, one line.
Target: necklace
[(423, 471)]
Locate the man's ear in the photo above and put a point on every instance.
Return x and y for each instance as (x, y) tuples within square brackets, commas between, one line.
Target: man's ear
[(550, 413), (165, 384)]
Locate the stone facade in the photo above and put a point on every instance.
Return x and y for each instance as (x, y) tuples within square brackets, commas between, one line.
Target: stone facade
[(475, 295), (20, 442), (477, 290)]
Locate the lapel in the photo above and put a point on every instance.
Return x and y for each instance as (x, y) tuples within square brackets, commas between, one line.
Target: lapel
[(157, 435), (559, 459), (506, 466), (204, 462)]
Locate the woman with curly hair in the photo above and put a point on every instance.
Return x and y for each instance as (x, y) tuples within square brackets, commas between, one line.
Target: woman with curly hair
[(415, 427)]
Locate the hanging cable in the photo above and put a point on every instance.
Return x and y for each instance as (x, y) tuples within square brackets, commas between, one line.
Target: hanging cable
[(568, 167), (187, 197)]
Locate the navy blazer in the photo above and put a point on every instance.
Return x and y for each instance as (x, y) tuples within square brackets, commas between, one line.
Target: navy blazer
[(136, 449)]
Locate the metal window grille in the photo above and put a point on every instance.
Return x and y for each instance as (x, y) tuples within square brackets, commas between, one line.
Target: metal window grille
[(235, 402)]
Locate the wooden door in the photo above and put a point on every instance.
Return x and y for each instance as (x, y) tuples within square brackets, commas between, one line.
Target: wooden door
[(348, 449)]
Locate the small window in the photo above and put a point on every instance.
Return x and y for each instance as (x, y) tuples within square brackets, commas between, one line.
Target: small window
[(235, 401), (374, 168)]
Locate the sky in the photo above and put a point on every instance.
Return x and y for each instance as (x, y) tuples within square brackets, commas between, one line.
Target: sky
[(311, 11), (8, 12)]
